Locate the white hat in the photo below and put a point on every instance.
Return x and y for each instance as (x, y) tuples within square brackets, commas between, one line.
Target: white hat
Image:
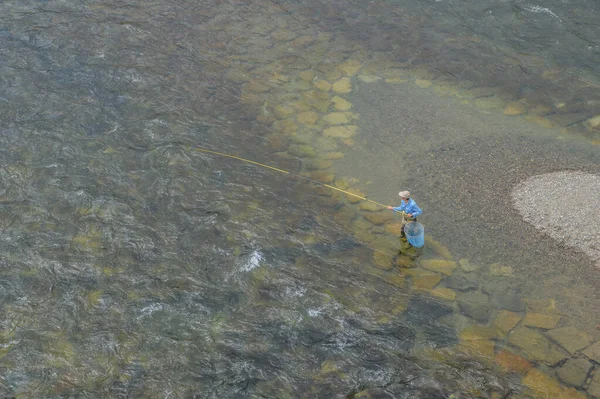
[(404, 194)]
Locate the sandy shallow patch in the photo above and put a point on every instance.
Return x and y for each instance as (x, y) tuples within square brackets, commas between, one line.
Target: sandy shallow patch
[(566, 206)]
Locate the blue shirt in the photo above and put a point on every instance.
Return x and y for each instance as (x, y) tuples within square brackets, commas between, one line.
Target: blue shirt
[(409, 207)]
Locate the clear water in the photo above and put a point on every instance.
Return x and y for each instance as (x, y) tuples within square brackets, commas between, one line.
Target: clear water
[(135, 266)]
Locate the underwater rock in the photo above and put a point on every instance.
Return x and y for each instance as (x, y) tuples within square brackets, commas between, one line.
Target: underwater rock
[(403, 335), (437, 247), (509, 299), (460, 283), (395, 280), (283, 35), (350, 67), (307, 75), (467, 266), (539, 320), (593, 122), (393, 228), (512, 362), (369, 78), (443, 293), (382, 260), (342, 86), (545, 386), (284, 111), (319, 164), (308, 117), (574, 372), (343, 132), (438, 335), (426, 281), (256, 86), (302, 151), (425, 310), (333, 155), (302, 41), (341, 104), (539, 120), (369, 207), (439, 265), (285, 126), (297, 86), (593, 352), (322, 85), (474, 305), (423, 83), (515, 108), (506, 321), (396, 80), (364, 236), (498, 269), (594, 387), (536, 346), (570, 338), (336, 118), (378, 218)]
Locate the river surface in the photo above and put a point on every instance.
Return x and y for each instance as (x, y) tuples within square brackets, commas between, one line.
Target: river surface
[(133, 265)]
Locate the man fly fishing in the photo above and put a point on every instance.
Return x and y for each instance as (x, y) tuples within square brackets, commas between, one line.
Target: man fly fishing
[(409, 209)]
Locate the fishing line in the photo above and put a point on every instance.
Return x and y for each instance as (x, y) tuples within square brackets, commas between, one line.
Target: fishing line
[(285, 172)]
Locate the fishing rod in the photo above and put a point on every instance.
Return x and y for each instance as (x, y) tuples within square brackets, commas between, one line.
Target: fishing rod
[(285, 172)]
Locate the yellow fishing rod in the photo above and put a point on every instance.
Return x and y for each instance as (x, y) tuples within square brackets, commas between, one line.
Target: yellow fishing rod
[(285, 172)]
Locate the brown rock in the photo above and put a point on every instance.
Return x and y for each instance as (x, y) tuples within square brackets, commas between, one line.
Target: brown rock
[(393, 228), (511, 362), (308, 118), (498, 269), (342, 86), (515, 108), (343, 132), (477, 332), (302, 41), (545, 386), (574, 372), (382, 260), (437, 247), (350, 67), (439, 265), (256, 86), (423, 83), (426, 282), (444, 293), (336, 118), (333, 155), (537, 346), (378, 218), (322, 85), (307, 75), (570, 338), (323, 177), (594, 387), (395, 280), (593, 352), (369, 207), (539, 320), (506, 321), (341, 104), (319, 164)]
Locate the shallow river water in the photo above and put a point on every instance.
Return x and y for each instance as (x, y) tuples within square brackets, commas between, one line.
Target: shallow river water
[(134, 265)]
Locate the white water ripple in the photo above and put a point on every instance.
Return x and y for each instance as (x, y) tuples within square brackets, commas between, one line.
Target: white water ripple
[(542, 10)]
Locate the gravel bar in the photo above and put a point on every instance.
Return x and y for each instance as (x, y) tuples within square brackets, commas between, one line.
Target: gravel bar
[(564, 205)]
